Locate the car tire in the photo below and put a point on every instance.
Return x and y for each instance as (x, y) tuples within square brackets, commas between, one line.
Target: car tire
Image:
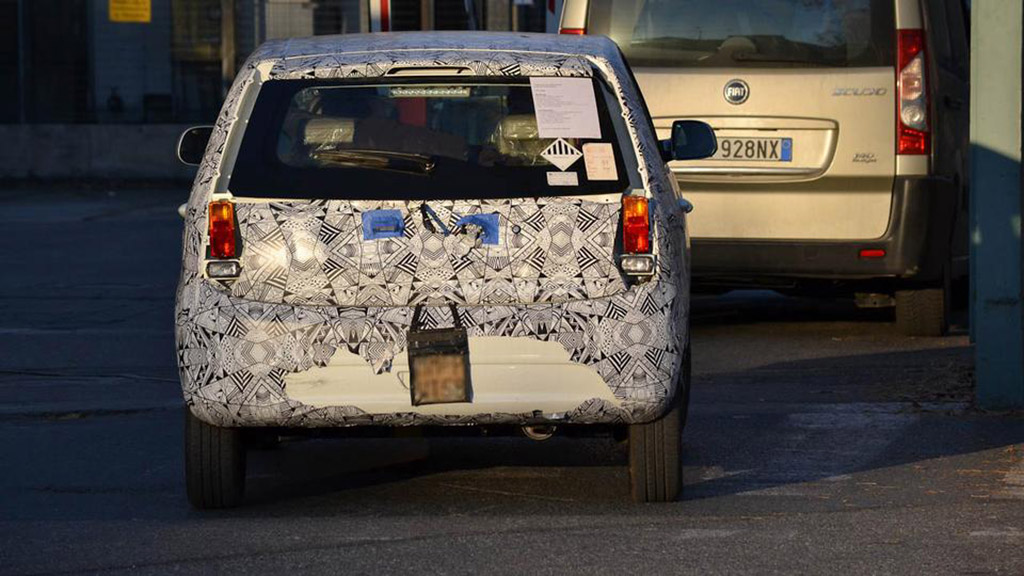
[(656, 451), (214, 464), (922, 312)]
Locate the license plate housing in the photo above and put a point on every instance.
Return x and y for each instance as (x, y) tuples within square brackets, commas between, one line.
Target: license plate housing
[(756, 149), (439, 369)]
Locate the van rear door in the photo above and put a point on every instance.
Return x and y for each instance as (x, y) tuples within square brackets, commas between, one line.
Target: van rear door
[(802, 99)]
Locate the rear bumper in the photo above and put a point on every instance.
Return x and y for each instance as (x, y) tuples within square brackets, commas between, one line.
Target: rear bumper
[(614, 360), (916, 244)]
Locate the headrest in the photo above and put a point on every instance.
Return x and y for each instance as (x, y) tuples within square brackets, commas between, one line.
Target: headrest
[(326, 131), (519, 127)]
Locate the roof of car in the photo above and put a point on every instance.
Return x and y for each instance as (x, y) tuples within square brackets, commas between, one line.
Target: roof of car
[(392, 42)]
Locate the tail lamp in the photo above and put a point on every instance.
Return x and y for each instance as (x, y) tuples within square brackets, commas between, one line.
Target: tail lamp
[(636, 259), (636, 225), (912, 133), (573, 31), (222, 230)]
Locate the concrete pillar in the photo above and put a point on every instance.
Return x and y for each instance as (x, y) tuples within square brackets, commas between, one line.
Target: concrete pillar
[(995, 204), (497, 15), (227, 43)]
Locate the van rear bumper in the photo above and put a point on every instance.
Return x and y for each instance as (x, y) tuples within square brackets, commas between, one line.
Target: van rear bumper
[(916, 244)]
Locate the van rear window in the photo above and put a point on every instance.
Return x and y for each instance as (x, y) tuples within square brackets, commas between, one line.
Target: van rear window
[(421, 139), (748, 33)]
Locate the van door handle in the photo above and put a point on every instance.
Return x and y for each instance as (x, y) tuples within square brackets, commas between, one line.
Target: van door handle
[(953, 103)]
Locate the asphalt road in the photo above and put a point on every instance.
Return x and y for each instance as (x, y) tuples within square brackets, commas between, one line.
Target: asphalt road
[(819, 441)]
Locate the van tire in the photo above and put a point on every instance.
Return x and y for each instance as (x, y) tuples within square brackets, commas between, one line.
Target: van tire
[(922, 312), (214, 464), (656, 456)]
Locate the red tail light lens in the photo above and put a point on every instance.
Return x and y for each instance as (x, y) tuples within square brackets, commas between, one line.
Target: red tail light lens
[(222, 230), (912, 133), (574, 31), (636, 225)]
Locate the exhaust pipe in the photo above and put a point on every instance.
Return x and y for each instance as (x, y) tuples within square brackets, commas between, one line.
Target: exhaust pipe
[(539, 432)]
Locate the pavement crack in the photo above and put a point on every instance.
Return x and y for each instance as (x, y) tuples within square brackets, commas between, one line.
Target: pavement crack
[(64, 415), (68, 375), (506, 493)]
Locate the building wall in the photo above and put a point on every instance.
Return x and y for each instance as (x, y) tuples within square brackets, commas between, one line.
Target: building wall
[(108, 151), (288, 18), (131, 62), (108, 99)]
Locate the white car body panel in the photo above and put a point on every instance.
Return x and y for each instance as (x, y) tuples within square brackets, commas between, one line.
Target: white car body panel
[(509, 375)]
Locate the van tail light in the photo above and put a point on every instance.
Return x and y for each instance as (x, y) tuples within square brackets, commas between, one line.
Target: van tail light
[(636, 225), (222, 229), (573, 31), (912, 133)]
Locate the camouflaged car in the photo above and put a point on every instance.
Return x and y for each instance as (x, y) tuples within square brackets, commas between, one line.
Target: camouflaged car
[(420, 230)]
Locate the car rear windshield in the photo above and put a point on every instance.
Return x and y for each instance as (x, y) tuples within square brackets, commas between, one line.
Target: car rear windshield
[(421, 139), (748, 33)]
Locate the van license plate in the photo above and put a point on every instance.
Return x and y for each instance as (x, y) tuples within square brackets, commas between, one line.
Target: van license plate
[(765, 149)]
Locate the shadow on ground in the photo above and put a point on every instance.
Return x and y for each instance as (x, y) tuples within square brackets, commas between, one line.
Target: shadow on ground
[(864, 400)]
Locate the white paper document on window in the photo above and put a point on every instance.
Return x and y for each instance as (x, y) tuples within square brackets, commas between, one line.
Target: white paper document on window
[(565, 107), (599, 158), (563, 179)]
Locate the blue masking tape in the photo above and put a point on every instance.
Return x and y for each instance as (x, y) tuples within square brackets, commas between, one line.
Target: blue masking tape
[(487, 222), (382, 224)]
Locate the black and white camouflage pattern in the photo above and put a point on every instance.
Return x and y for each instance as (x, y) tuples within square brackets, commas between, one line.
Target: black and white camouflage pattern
[(237, 342)]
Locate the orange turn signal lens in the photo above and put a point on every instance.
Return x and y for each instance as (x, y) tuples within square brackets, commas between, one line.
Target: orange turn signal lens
[(573, 31), (636, 225), (222, 229)]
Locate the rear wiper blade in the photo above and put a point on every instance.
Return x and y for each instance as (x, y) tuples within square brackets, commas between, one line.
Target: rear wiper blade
[(378, 160), (671, 41), (659, 40), (754, 57)]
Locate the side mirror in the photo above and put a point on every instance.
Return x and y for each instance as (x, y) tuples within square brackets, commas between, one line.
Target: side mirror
[(691, 140), (192, 144)]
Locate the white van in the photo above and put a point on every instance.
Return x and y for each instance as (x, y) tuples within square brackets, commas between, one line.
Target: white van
[(842, 165)]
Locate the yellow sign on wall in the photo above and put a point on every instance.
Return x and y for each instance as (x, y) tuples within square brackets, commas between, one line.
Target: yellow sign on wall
[(131, 11)]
